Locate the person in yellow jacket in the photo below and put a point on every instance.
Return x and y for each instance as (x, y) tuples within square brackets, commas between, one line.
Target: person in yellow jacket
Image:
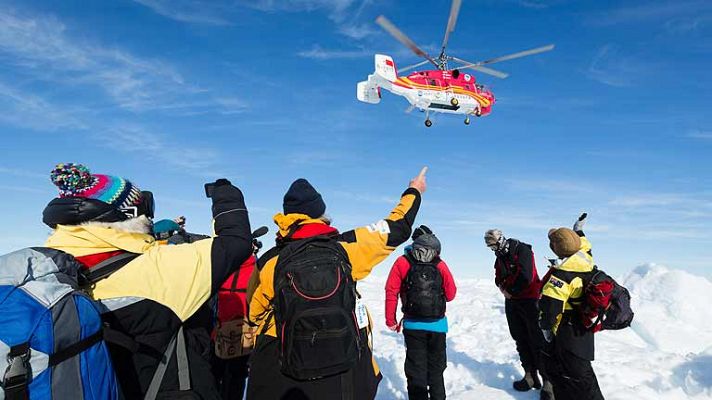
[(364, 248), (101, 218), (571, 345)]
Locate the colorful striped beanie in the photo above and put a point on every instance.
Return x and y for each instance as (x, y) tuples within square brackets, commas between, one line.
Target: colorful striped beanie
[(75, 180)]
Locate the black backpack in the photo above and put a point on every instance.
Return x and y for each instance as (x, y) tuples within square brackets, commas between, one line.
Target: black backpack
[(314, 309), (424, 297), (606, 304)]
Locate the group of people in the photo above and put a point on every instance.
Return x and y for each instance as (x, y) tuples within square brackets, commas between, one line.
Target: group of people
[(197, 316), (543, 315)]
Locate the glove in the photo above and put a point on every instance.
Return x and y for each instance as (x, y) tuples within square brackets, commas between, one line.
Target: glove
[(222, 182), (180, 221), (578, 225), (548, 335), (393, 328), (505, 293)]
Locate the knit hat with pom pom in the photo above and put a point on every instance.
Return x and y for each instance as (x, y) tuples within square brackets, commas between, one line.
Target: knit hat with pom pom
[(75, 180)]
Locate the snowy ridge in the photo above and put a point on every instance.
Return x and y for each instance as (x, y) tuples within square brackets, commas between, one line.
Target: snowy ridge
[(666, 355)]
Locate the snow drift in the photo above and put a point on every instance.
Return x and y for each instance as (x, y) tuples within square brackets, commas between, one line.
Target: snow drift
[(667, 353)]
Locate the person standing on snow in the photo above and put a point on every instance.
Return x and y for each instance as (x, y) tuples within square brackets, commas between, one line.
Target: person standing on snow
[(305, 286), (234, 337), (99, 218), (571, 346), (425, 284), (517, 278)]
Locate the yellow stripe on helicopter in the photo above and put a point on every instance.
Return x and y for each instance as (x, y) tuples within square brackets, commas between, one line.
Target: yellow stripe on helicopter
[(456, 89)]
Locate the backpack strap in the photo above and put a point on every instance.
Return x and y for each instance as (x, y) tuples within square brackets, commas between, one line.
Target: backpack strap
[(265, 327), (182, 360), (74, 349), (347, 385), (177, 342), (17, 375), (107, 267)]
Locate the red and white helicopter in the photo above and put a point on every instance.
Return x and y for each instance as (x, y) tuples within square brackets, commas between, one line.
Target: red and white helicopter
[(442, 90)]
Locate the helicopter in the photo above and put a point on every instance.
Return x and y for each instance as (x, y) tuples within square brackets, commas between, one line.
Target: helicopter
[(442, 90)]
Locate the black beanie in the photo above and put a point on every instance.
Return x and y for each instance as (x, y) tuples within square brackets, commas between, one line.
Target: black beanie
[(421, 230), (302, 198)]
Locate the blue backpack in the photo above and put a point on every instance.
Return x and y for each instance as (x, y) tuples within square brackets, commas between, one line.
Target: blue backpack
[(51, 336)]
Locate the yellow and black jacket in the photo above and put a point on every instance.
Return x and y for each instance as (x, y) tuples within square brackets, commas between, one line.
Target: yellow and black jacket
[(365, 247), (562, 293), (149, 298)]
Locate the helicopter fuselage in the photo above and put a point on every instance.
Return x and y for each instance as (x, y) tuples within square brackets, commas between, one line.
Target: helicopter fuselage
[(439, 88), (442, 91)]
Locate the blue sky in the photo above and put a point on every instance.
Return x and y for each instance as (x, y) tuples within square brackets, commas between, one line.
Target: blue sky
[(615, 121)]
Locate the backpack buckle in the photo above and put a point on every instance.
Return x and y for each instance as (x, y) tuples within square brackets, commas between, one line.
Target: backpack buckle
[(17, 373)]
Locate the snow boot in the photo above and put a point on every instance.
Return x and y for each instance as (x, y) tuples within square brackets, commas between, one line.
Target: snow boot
[(530, 381), (547, 392)]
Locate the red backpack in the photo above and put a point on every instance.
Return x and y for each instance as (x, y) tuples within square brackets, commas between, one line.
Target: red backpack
[(606, 304), (234, 337)]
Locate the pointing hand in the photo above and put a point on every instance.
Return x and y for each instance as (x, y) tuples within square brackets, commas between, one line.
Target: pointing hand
[(418, 182)]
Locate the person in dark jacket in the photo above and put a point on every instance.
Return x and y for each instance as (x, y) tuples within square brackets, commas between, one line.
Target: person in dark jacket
[(425, 337), (517, 278), (234, 337), (571, 346), (100, 217), (365, 247)]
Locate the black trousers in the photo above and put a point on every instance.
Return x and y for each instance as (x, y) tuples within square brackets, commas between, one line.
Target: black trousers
[(522, 318), (231, 376), (425, 362), (572, 376), (266, 382)]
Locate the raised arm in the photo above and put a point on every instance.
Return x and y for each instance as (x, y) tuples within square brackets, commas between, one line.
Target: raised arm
[(233, 243), (368, 246)]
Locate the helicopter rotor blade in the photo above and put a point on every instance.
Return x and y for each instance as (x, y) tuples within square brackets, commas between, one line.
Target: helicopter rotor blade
[(478, 67), (413, 66), (520, 54), (489, 71), (452, 20), (401, 37)]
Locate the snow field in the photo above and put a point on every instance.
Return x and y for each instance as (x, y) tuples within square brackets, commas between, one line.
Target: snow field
[(666, 354)]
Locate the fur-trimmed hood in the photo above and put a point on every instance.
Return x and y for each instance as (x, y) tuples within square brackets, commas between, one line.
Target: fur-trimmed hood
[(140, 224), (99, 237)]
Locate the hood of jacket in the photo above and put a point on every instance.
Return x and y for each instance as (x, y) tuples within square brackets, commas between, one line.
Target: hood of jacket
[(581, 261), (286, 223), (82, 240)]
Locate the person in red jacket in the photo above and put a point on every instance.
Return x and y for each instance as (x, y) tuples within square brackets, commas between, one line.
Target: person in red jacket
[(424, 283), (231, 359), (516, 277)]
